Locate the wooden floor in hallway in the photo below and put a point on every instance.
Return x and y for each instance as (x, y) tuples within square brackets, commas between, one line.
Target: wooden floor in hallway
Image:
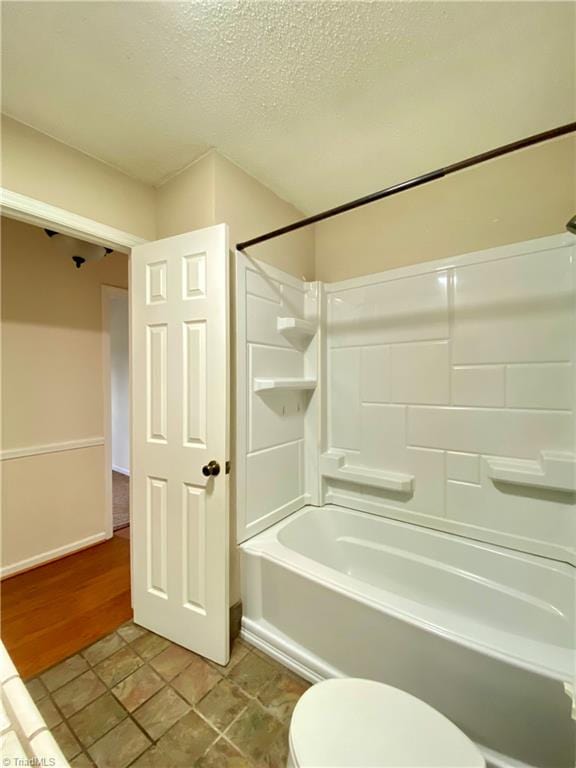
[(51, 612)]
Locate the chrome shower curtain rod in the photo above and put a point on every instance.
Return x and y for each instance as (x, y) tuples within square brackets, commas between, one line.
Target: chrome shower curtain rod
[(418, 181)]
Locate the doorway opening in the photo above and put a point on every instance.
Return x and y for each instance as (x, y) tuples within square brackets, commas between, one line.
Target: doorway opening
[(58, 443), (115, 319)]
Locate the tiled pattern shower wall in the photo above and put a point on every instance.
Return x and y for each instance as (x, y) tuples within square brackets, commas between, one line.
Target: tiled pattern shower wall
[(459, 376)]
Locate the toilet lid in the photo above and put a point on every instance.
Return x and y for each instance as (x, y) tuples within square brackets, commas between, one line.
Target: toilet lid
[(353, 722)]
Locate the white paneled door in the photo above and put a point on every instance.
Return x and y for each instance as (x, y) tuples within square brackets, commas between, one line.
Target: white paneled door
[(180, 407)]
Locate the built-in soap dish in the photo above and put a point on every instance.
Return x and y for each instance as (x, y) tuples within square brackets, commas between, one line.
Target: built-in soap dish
[(555, 471), (333, 465)]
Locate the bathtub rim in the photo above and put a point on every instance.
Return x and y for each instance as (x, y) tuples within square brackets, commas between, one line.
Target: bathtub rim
[(302, 565)]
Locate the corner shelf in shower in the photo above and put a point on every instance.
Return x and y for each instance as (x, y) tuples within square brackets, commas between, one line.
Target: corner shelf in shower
[(296, 327), (333, 465), (261, 385)]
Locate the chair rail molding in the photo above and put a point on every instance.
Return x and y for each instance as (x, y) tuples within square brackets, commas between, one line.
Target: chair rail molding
[(35, 450), (40, 214)]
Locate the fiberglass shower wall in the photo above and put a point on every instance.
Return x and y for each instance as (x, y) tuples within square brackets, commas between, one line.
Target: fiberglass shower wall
[(277, 396), (440, 394)]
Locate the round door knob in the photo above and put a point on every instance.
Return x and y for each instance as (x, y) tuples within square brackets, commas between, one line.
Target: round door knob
[(212, 469)]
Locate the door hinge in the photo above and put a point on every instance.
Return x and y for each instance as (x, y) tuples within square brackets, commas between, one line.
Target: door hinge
[(227, 467)]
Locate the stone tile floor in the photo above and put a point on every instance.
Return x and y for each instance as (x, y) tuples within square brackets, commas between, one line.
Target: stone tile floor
[(135, 699)]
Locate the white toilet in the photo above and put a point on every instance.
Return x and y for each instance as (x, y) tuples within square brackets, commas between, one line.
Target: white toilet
[(350, 723)]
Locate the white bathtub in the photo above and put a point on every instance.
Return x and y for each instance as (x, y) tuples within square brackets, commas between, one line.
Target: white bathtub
[(482, 633)]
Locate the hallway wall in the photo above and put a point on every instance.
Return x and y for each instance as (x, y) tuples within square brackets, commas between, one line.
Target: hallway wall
[(52, 397), (119, 384)]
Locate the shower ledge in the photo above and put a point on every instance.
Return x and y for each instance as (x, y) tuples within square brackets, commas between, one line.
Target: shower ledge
[(262, 384), (555, 471), (333, 465)]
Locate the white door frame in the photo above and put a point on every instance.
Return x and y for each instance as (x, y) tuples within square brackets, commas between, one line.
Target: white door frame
[(13, 205), (108, 293)]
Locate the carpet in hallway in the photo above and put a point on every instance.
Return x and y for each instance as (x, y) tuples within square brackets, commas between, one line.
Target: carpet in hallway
[(120, 500)]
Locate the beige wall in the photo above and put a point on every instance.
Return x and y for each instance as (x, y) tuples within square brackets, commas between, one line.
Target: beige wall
[(52, 392), (214, 190), (250, 209), (186, 201), (51, 505), (33, 164), (519, 197)]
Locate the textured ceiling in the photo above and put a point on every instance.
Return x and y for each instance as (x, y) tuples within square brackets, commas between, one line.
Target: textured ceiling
[(322, 101)]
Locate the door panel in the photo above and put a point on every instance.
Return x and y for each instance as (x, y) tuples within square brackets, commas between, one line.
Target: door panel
[(180, 404)]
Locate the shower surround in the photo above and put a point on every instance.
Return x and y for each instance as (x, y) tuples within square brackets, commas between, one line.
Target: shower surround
[(440, 394)]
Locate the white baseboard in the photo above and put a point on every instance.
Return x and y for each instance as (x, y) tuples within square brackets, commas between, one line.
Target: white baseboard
[(53, 554), (121, 470)]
